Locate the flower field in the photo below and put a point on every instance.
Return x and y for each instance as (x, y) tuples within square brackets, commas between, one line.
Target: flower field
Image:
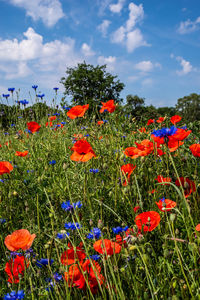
[(100, 208)]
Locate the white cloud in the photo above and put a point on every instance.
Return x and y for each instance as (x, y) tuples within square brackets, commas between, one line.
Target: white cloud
[(146, 66), (135, 40), (103, 4), (125, 35), (189, 26), (116, 8), (49, 11), (109, 61), (86, 50), (33, 56), (186, 66), (103, 27), (136, 13), (118, 36)]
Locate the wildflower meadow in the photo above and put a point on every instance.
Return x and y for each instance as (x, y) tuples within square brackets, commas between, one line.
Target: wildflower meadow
[(99, 206)]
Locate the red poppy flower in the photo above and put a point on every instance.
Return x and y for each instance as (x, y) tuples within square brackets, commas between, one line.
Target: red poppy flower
[(197, 227), (160, 120), (33, 126), (19, 239), (158, 140), (163, 180), (147, 221), (108, 106), (143, 130), (50, 124), (127, 170), (181, 134), (52, 118), (150, 121), (132, 152), (15, 267), (89, 271), (107, 246), (187, 184), (100, 123), (136, 208), (5, 167), (82, 151), (175, 119), (77, 111), (174, 144), (21, 154), (166, 204), (70, 256), (195, 149)]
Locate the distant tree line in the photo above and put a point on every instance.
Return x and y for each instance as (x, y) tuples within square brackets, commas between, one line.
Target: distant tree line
[(87, 84)]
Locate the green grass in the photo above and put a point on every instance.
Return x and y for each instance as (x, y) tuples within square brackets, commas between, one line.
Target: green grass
[(162, 264)]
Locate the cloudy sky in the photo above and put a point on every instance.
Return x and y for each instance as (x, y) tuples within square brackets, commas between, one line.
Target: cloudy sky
[(152, 45)]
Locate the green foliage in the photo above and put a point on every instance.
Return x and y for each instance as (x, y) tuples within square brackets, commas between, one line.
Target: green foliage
[(87, 84), (189, 107)]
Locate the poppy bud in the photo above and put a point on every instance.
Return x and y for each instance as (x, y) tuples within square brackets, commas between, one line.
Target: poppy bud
[(122, 270), (64, 166), (100, 224), (172, 217), (15, 193)]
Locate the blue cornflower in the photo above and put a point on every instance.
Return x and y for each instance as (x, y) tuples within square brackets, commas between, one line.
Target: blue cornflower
[(52, 162), (6, 95), (12, 125), (41, 96), (34, 87), (57, 277), (13, 254), (119, 229), (70, 207), (30, 171), (2, 180), (86, 135), (66, 107), (14, 295), (11, 90), (95, 233), (105, 121), (62, 236), (63, 123), (2, 221), (56, 89), (94, 171), (24, 102), (72, 226), (165, 132), (95, 257), (44, 262), (162, 199)]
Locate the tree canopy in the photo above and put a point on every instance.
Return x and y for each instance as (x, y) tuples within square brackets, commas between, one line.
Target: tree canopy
[(87, 84), (189, 107)]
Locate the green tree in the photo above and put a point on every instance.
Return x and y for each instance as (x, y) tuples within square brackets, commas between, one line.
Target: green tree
[(134, 105), (87, 84), (189, 107)]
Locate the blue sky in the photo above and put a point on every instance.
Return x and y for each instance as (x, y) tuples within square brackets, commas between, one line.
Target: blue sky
[(152, 45)]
